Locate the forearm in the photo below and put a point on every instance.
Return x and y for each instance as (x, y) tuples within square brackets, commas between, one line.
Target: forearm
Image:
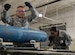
[(5, 18), (68, 39), (34, 14)]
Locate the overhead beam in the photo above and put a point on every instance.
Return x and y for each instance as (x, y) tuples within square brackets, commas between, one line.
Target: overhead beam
[(46, 4)]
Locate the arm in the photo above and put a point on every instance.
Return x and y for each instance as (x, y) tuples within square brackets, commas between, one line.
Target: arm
[(33, 15), (5, 18), (50, 41), (4, 15), (68, 39), (34, 12)]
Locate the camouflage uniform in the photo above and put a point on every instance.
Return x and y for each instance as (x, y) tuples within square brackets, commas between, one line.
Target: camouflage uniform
[(19, 22), (61, 42)]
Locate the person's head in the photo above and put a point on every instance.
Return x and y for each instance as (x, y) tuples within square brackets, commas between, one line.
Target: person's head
[(20, 11), (54, 31)]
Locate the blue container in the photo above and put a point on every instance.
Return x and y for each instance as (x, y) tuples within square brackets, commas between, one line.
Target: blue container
[(21, 35)]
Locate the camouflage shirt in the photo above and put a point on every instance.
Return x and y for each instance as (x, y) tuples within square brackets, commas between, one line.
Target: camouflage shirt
[(19, 22), (62, 41)]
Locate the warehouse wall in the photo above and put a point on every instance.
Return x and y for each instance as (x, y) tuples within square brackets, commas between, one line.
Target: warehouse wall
[(66, 15)]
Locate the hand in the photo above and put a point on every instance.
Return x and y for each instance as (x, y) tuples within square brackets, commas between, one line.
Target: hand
[(62, 42), (7, 7), (50, 44), (28, 4)]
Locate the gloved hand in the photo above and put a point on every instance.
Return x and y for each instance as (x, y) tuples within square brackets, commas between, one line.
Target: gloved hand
[(7, 7), (62, 42), (49, 44), (28, 4)]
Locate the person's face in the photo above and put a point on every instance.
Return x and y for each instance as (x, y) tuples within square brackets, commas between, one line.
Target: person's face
[(53, 33), (20, 12)]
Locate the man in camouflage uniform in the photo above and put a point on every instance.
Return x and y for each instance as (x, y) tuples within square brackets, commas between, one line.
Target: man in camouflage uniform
[(19, 20), (59, 39)]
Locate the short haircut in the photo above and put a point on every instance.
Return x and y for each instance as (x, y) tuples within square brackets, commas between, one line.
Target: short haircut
[(20, 6), (54, 29)]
